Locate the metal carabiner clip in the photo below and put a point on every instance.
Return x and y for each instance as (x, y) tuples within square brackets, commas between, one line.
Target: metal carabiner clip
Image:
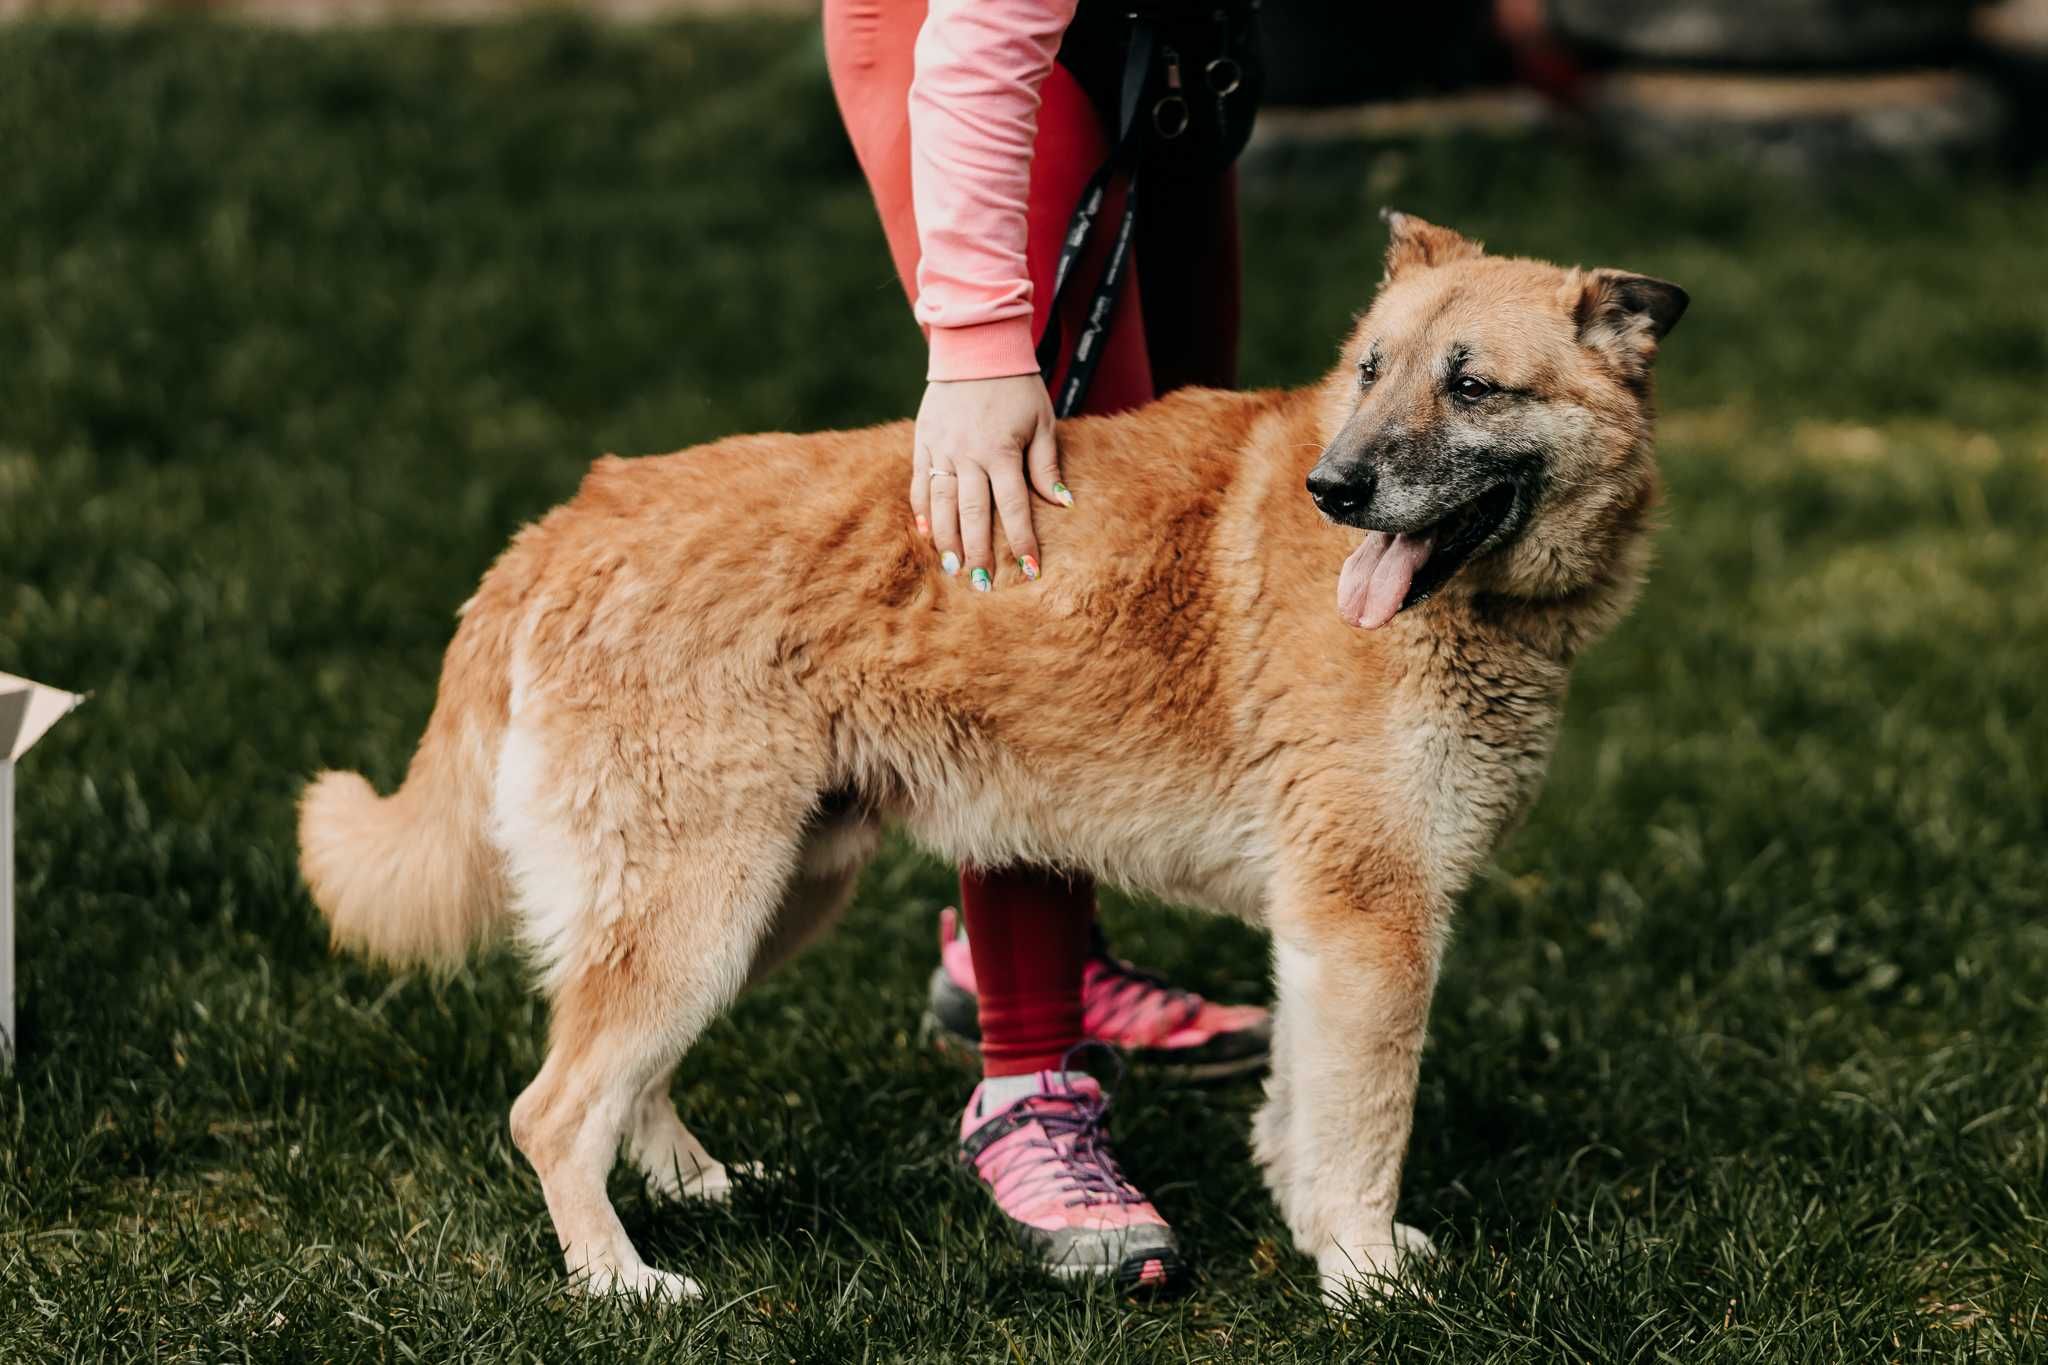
[(1170, 117)]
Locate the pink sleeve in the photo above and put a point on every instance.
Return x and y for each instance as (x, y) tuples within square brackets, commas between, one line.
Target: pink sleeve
[(973, 116)]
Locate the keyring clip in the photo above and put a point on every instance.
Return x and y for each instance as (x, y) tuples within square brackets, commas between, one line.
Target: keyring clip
[(1228, 82), (1170, 117)]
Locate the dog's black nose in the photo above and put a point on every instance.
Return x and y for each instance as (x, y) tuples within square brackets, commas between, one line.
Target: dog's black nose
[(1340, 497)]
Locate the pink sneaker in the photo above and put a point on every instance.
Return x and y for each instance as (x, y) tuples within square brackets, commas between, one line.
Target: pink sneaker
[(1174, 1033), (1046, 1162)]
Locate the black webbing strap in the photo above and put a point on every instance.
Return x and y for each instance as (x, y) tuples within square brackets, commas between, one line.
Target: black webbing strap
[(1088, 346), (1095, 324)]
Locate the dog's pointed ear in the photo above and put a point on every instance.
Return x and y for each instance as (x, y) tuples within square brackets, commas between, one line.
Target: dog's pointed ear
[(1614, 305), (1412, 243), (1623, 316)]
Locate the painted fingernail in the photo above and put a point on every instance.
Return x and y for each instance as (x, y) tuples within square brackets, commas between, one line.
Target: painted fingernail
[(979, 578), (1029, 564), (924, 526), (950, 562), (1064, 494)]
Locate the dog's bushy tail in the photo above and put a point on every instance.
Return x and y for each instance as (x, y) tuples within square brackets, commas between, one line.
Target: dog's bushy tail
[(411, 879)]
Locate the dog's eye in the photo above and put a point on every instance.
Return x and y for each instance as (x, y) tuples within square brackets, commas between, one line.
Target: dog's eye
[(1368, 371), (1471, 388)]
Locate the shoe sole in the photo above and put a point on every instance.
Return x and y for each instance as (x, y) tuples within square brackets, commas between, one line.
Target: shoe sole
[(1153, 1273), (937, 1033), (1157, 1272)]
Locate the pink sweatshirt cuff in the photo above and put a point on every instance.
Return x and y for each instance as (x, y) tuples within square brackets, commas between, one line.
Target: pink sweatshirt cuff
[(983, 350)]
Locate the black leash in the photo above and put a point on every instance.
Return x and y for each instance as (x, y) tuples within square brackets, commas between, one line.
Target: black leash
[(1095, 325)]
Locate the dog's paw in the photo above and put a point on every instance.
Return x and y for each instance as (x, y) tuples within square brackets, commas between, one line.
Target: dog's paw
[(1370, 1270), (637, 1282)]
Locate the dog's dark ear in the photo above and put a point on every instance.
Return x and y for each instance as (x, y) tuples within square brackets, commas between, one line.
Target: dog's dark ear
[(1624, 316), (1613, 304), (1412, 243)]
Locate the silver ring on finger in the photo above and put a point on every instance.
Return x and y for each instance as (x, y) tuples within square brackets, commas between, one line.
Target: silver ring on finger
[(942, 474)]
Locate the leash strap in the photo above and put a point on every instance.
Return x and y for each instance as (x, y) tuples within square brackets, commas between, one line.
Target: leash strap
[(1095, 326), (1088, 346)]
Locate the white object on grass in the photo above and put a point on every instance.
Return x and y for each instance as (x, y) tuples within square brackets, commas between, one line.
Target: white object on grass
[(27, 711)]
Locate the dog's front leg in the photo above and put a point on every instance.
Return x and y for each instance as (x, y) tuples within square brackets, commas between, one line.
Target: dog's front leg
[(1355, 975)]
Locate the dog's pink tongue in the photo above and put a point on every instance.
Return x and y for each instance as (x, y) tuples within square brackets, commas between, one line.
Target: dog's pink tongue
[(1376, 577)]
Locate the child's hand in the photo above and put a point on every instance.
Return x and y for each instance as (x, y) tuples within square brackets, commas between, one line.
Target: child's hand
[(983, 446)]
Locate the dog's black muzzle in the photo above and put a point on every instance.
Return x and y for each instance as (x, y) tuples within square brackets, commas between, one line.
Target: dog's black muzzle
[(1361, 493), (1482, 504)]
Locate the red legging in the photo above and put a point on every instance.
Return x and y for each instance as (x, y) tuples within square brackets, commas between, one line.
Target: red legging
[(1175, 323)]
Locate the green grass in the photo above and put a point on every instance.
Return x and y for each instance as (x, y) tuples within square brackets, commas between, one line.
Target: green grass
[(1738, 1055)]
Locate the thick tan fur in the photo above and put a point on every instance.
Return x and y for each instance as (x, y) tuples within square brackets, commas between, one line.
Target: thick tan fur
[(413, 878), (679, 708)]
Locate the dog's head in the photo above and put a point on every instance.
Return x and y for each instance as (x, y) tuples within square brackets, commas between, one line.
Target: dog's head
[(1491, 420)]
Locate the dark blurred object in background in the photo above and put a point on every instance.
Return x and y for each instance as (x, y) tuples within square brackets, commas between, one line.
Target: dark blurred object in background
[(1769, 33), (1322, 52), (2013, 37), (1805, 124), (1802, 87)]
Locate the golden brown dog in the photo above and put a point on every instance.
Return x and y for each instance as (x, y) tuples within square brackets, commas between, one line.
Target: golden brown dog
[(679, 708)]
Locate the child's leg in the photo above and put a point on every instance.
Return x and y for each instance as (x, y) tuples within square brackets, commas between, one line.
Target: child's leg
[(1032, 1133), (1029, 930)]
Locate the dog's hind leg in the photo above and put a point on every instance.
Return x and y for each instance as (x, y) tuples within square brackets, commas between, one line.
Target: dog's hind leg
[(658, 1143), (621, 1021), (835, 849), (666, 889), (667, 1153)]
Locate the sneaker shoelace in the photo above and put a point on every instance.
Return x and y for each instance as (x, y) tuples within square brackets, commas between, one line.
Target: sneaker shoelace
[(1072, 1159), (1122, 998)]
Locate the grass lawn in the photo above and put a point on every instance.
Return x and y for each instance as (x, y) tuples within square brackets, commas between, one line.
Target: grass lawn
[(1739, 1054)]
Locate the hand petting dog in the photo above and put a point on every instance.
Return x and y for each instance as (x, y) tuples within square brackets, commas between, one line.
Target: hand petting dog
[(982, 447)]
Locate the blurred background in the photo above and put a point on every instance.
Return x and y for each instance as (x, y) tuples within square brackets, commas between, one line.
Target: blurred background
[(1738, 1055), (1790, 82)]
